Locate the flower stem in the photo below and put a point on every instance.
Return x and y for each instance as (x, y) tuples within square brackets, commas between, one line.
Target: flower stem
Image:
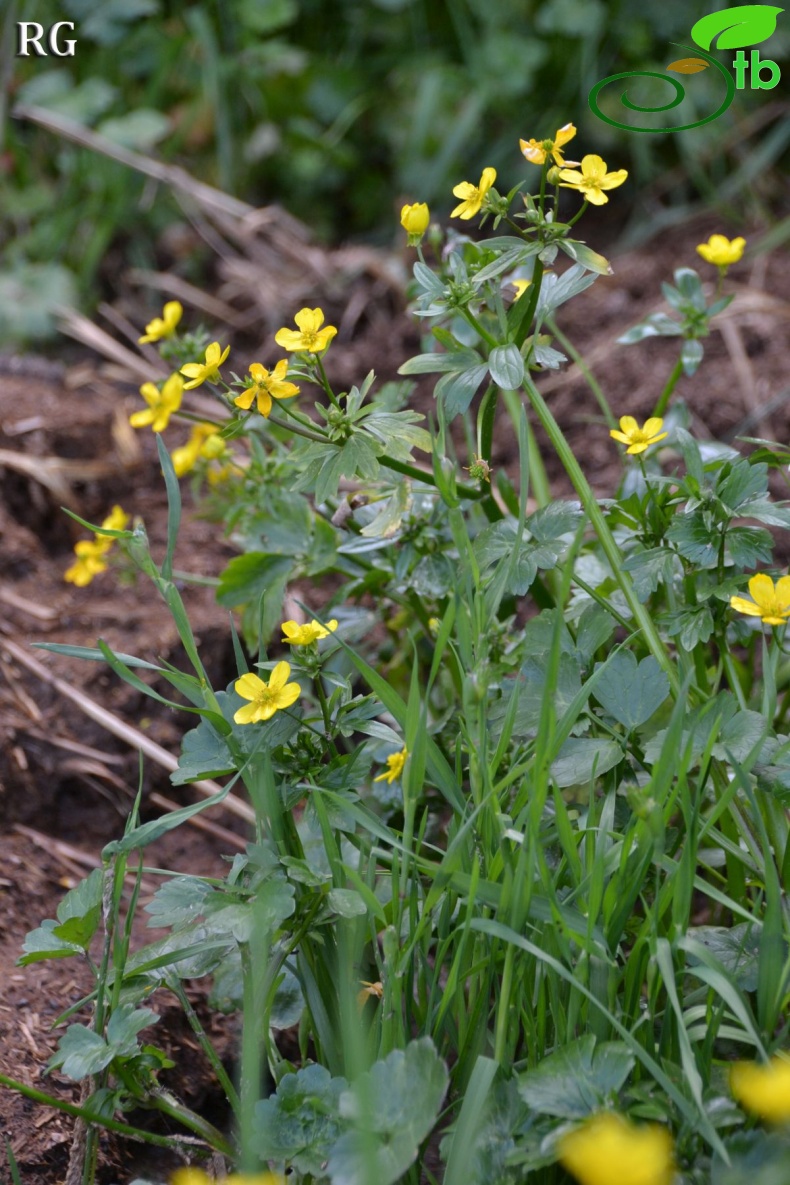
[(661, 406), (589, 377)]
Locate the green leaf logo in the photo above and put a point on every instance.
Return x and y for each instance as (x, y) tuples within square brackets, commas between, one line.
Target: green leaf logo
[(748, 24)]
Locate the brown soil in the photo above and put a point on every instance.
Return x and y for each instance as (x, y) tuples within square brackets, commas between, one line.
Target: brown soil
[(66, 783)]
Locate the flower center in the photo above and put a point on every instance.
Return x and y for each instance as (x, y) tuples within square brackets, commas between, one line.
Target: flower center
[(264, 697)]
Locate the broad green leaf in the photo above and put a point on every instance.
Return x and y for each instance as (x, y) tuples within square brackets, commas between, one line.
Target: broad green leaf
[(755, 1157), (555, 290), (124, 1025), (436, 363), (585, 255), (554, 520), (595, 626), (737, 948), (507, 367), (582, 758), (630, 692), (694, 539), (657, 565), (740, 484), (347, 903), (530, 688), (735, 28), (392, 1107), (79, 913), (457, 390), (577, 1080), (749, 547), (140, 129), (248, 576), (690, 625), (80, 1052), (42, 944), (300, 1123), (179, 901), (204, 754)]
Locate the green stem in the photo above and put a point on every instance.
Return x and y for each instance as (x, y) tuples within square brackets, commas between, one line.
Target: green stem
[(485, 423), (601, 527), (522, 325), (578, 215), (589, 377), (661, 406), (231, 1094), (472, 320), (163, 1101), (325, 383), (321, 696)]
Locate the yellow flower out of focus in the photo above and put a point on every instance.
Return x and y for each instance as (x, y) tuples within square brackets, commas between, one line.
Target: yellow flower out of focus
[(415, 218), (304, 635), (395, 763), (266, 386), (638, 439), (520, 286), (472, 195), (267, 698), (201, 443), (771, 603), (763, 1090), (311, 338), (593, 179), (161, 404), (164, 326), (607, 1150), (190, 1176), (722, 251), (537, 151), (90, 553), (208, 371)]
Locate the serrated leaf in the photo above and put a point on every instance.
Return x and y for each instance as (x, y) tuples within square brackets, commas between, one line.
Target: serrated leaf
[(79, 913), (506, 366), (41, 944), (740, 484), (246, 577), (393, 1108), (595, 626), (178, 901), (124, 1025), (748, 547), (578, 1079), (81, 1052), (656, 565), (456, 391), (687, 65), (582, 758), (737, 948), (739, 735), (691, 625), (554, 520), (694, 539), (629, 691), (300, 1123), (204, 754), (735, 28)]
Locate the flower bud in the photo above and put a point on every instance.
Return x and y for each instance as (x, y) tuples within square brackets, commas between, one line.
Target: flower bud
[(415, 219)]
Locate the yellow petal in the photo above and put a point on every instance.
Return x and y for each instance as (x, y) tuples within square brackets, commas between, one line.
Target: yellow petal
[(279, 676), (628, 425), (593, 166), (653, 425), (248, 686), (247, 714), (783, 592), (761, 588), (743, 606), (289, 695), (621, 436)]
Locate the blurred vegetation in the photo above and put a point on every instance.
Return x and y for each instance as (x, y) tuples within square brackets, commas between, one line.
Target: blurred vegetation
[(340, 111)]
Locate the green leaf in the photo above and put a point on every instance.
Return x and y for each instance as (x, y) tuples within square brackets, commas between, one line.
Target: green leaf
[(582, 758), (300, 1123), (734, 28), (585, 256), (691, 625), (204, 754), (124, 1025), (595, 626), (694, 539), (347, 903), (656, 325), (578, 1079), (748, 547), (179, 901), (80, 1052), (737, 948), (555, 290), (393, 1107), (691, 355), (740, 484), (248, 576), (42, 944), (457, 360), (457, 390), (630, 692), (79, 913), (530, 688), (657, 565), (506, 366), (140, 129), (757, 1157), (554, 520)]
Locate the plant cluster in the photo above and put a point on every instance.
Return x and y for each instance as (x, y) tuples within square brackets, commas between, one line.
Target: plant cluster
[(520, 786)]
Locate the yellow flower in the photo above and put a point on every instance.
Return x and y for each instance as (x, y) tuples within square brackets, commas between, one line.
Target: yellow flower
[(536, 151), (520, 286), (116, 520), (770, 603), (311, 338), (303, 635), (638, 439), (473, 195), (192, 1176), (395, 762), (267, 385), (593, 179), (267, 698), (161, 404), (415, 219), (208, 371), (369, 991), (722, 251), (164, 326), (607, 1150), (89, 562), (200, 444), (764, 1090)]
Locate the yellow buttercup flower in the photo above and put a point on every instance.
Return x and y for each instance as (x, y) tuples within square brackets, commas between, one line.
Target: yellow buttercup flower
[(192, 1176), (608, 1150), (203, 441), (164, 326), (722, 251), (520, 286), (208, 371), (267, 385), (537, 151), (593, 179), (89, 562), (472, 195), (395, 764), (267, 698), (771, 603), (311, 338), (304, 635), (415, 219), (763, 1090), (638, 439), (161, 404)]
